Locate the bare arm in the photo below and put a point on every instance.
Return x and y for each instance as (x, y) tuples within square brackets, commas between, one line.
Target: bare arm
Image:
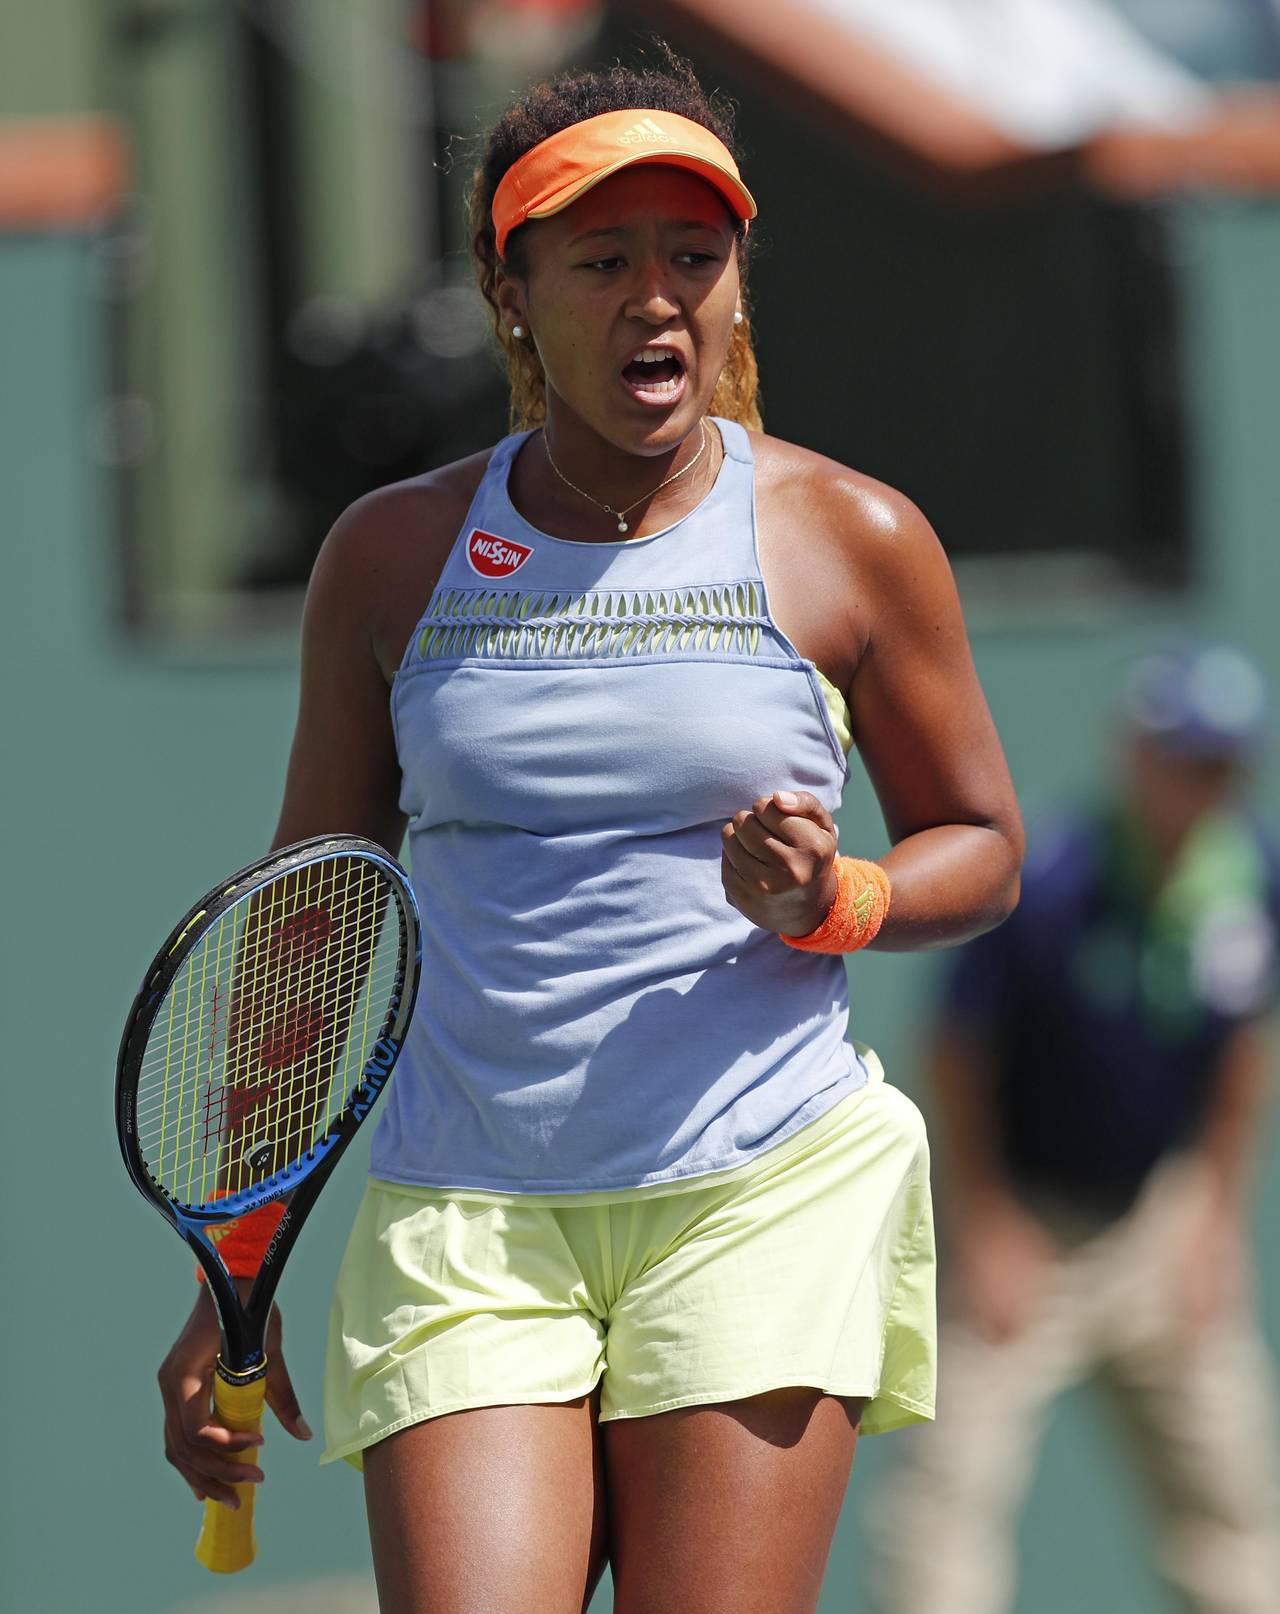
[(1002, 1254), (865, 92), (947, 144), (343, 778), (925, 735), (960, 1079), (929, 746), (1230, 1136), (1209, 1260), (343, 772), (1228, 1142)]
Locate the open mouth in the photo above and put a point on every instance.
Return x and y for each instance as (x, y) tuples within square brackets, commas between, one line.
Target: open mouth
[(657, 377)]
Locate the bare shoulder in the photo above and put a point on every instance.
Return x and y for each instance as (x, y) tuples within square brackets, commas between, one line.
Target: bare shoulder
[(845, 556), (406, 519), (383, 556), (863, 516)]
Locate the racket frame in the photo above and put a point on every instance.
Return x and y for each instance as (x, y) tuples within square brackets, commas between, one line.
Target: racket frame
[(244, 1323)]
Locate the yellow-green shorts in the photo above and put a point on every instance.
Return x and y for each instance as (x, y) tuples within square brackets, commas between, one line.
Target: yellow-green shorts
[(811, 1265)]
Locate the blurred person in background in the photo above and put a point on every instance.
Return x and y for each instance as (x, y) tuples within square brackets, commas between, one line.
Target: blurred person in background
[(1100, 1073), (1135, 99)]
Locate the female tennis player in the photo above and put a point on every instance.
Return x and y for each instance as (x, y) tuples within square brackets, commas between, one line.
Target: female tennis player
[(647, 1239)]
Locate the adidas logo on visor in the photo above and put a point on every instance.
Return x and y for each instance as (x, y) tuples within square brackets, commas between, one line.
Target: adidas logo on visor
[(646, 132)]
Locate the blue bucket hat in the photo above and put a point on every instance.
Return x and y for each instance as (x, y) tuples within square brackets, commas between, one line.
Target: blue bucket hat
[(1198, 700)]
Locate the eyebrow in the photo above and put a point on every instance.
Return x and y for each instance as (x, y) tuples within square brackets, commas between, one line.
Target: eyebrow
[(617, 229)]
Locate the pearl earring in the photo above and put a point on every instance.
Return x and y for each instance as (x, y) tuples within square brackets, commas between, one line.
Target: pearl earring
[(517, 331), (738, 316)]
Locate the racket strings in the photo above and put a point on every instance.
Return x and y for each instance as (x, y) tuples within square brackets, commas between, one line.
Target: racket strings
[(334, 1013), (267, 1029), (163, 1097), (230, 1098), (237, 1110), (282, 988)]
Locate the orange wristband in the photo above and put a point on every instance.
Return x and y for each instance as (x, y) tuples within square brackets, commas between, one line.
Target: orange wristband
[(242, 1242), (862, 900)]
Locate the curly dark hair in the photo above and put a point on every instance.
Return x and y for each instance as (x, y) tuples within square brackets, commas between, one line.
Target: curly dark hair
[(546, 109)]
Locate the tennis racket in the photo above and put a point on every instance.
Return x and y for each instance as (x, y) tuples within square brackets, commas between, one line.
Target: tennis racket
[(265, 1029)]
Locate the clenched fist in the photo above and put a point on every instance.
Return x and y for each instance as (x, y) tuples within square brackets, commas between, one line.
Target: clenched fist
[(777, 862)]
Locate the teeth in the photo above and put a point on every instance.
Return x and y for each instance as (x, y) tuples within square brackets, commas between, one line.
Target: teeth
[(651, 355)]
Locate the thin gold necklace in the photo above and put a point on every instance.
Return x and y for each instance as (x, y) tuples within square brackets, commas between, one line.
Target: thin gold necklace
[(608, 508)]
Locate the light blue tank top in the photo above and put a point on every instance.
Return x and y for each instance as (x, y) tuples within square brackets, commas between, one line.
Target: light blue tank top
[(575, 722)]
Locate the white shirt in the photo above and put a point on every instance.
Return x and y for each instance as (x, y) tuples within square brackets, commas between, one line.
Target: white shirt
[(1048, 73)]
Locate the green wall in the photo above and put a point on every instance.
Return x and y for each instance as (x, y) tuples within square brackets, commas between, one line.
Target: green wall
[(132, 778)]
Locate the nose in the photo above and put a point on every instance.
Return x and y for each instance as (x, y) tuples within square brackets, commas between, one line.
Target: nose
[(649, 298)]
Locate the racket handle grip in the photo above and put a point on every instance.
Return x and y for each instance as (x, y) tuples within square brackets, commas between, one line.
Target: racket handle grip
[(226, 1535)]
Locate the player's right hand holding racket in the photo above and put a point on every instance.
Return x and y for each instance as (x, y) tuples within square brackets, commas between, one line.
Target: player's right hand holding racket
[(211, 1459)]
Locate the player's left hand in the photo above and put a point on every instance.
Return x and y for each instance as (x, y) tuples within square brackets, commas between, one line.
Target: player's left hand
[(777, 862)]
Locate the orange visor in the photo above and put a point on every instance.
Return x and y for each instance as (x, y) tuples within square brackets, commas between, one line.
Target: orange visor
[(560, 169)]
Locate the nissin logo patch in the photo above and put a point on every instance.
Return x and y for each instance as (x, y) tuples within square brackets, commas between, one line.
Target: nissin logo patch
[(492, 556)]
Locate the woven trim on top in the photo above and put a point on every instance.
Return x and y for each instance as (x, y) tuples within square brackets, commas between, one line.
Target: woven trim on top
[(599, 622)]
